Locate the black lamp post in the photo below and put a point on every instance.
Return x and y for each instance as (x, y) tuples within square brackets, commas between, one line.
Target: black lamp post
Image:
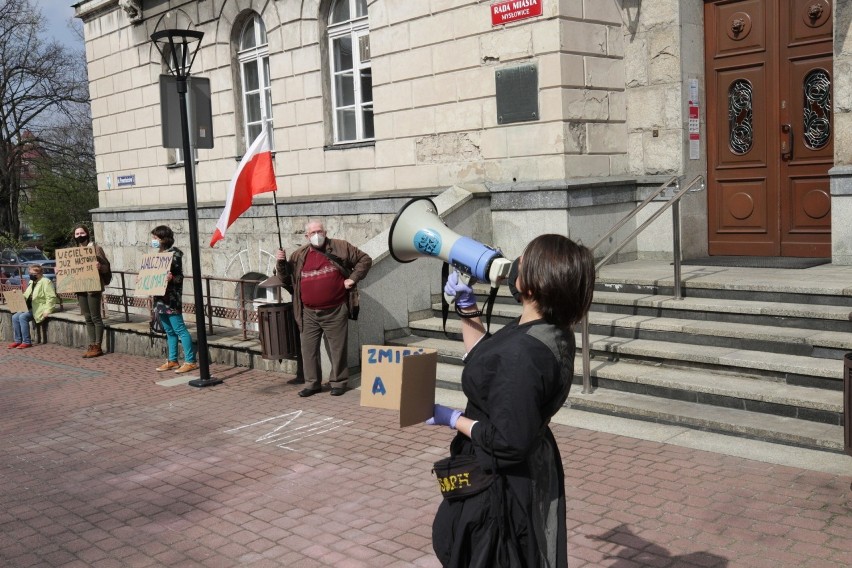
[(179, 48)]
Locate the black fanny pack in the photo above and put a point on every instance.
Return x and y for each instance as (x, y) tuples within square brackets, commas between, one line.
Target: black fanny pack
[(460, 477)]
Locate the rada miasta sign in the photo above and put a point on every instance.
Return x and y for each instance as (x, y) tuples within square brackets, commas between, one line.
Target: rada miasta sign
[(514, 10)]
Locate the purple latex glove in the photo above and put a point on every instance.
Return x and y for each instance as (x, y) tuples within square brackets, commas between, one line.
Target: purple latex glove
[(465, 298), (444, 416)]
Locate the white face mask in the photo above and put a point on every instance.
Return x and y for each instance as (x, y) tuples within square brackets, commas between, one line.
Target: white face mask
[(317, 240)]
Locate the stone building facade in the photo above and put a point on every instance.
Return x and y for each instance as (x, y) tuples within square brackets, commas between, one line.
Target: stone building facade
[(558, 121)]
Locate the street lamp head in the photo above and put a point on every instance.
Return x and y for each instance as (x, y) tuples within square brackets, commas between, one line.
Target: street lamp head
[(178, 48)]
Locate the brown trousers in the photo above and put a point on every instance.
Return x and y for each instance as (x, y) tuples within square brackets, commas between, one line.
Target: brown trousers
[(334, 324)]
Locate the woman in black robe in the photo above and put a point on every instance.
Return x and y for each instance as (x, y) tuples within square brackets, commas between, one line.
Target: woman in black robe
[(515, 382)]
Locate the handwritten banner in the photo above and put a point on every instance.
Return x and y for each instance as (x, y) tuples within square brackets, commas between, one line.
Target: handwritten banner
[(77, 270), (151, 280), (399, 378), (16, 301)]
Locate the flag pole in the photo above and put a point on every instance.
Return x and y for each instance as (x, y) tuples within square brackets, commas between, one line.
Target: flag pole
[(277, 219)]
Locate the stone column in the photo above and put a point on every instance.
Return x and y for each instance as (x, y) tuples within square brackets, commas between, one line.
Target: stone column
[(841, 173)]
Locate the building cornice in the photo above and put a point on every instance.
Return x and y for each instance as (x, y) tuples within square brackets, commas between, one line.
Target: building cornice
[(88, 9)]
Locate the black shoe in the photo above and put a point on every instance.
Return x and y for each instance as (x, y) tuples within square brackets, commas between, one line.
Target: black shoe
[(296, 381), (309, 392), (337, 391)]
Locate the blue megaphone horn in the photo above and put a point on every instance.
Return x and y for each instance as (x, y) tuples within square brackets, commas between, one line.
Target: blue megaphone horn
[(418, 231)]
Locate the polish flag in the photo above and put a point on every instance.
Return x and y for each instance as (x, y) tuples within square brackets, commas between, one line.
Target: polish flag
[(254, 175)]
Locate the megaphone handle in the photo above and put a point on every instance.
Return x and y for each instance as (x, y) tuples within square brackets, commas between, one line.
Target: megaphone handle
[(463, 277)]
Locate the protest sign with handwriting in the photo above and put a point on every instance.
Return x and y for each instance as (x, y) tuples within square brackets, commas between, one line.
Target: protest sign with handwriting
[(15, 301), (77, 270), (151, 280)]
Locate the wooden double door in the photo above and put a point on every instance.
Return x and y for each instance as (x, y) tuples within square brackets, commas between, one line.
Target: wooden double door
[(769, 124)]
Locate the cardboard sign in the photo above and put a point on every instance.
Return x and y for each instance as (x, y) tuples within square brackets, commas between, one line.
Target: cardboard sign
[(399, 378), (15, 301), (151, 280), (77, 270)]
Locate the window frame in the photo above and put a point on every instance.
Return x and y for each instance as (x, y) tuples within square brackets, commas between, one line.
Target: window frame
[(258, 55), (355, 29)]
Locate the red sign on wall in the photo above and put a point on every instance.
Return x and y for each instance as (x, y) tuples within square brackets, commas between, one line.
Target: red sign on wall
[(514, 10)]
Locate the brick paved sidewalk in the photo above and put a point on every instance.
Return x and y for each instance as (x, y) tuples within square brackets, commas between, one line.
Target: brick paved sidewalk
[(101, 466)]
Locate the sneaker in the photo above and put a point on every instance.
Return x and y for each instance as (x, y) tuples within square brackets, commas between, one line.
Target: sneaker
[(187, 367), (167, 366), (25, 345), (13, 345)]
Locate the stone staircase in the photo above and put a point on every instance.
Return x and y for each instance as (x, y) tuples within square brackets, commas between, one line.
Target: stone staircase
[(753, 353)]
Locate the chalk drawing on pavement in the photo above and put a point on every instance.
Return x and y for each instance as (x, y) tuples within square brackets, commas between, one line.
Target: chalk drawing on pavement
[(287, 429)]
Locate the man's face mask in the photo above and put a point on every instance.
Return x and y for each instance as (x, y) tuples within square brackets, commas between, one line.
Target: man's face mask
[(512, 278), (317, 239)]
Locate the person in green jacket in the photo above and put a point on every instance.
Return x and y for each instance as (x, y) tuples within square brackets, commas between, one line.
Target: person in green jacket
[(41, 300)]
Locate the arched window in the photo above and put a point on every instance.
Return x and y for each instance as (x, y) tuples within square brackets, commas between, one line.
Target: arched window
[(351, 72), (253, 58)]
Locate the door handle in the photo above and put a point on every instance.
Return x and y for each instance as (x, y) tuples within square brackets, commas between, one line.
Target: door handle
[(787, 145)]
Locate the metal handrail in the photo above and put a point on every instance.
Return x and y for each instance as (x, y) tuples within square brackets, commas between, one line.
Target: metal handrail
[(674, 203), (636, 210), (214, 307), (118, 297)]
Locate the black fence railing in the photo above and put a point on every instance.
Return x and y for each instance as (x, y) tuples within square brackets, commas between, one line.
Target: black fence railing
[(228, 303)]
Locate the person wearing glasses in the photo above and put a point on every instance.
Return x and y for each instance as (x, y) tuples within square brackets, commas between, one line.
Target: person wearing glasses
[(323, 275)]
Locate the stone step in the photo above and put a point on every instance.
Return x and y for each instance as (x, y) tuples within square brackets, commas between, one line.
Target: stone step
[(757, 421), (760, 426), (755, 356), (818, 405), (833, 314), (751, 353), (684, 383), (826, 284), (685, 436), (776, 314), (690, 397), (774, 338), (793, 369)]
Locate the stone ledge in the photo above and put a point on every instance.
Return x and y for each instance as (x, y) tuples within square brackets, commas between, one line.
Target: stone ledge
[(225, 347)]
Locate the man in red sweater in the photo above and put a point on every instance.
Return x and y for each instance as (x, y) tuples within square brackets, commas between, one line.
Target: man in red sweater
[(322, 273)]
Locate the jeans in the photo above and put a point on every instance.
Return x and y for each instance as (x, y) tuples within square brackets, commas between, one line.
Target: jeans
[(90, 307), (176, 330), (21, 327)]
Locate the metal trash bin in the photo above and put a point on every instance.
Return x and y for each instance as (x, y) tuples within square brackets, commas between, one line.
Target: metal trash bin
[(279, 336), (847, 403)]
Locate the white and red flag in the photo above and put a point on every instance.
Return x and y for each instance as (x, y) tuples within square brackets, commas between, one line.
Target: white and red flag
[(254, 175)]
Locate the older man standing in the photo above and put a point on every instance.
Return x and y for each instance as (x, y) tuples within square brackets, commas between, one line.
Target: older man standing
[(322, 274)]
